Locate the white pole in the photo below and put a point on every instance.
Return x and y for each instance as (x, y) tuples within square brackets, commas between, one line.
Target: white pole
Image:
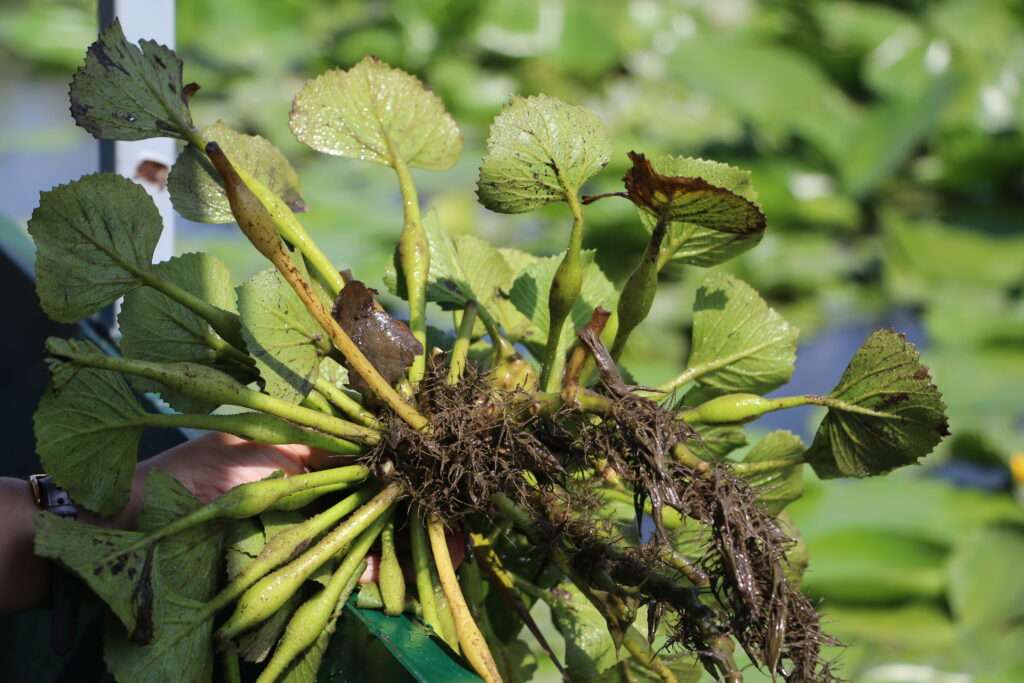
[(147, 162)]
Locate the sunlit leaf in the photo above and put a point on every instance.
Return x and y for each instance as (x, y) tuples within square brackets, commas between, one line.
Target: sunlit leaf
[(128, 92), (197, 190), (154, 327), (739, 343), (376, 113), (906, 414), (93, 237), (87, 436), (540, 150)]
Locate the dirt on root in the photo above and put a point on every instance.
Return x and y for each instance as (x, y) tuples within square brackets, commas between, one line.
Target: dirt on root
[(485, 440)]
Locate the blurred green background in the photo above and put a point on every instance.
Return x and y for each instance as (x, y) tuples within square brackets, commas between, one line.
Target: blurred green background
[(885, 140)]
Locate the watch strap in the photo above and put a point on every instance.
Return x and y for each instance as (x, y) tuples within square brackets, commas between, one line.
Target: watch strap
[(65, 590)]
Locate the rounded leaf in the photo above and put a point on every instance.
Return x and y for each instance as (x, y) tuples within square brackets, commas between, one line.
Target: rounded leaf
[(886, 412), (739, 343), (540, 150), (128, 92), (87, 431), (376, 113), (92, 236)]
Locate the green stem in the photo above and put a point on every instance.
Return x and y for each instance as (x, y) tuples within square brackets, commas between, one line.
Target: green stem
[(224, 323), (461, 348), (414, 257), (347, 404), (202, 382), (232, 672), (639, 291), (743, 407), (257, 217), (565, 290), (289, 227), (762, 466), (257, 427), (424, 576), (501, 347)]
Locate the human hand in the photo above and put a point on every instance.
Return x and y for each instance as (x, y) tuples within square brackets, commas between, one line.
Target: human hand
[(215, 463)]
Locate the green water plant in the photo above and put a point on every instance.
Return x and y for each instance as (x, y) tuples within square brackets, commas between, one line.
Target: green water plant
[(635, 513)]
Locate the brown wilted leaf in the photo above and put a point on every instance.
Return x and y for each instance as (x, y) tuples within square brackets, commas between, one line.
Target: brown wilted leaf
[(387, 343), (690, 200)]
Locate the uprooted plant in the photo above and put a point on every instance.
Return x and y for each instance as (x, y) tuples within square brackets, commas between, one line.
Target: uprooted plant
[(616, 504)]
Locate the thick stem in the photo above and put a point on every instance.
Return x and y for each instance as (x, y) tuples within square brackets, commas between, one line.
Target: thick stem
[(257, 222), (461, 348), (565, 290), (288, 226), (268, 594), (414, 257), (638, 293), (474, 647), (254, 427), (224, 323), (392, 582), (346, 404), (202, 382), (743, 407), (423, 573)]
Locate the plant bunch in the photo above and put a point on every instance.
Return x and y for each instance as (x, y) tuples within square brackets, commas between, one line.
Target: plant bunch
[(617, 505)]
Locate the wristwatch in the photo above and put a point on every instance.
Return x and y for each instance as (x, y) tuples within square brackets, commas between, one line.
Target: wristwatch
[(65, 590)]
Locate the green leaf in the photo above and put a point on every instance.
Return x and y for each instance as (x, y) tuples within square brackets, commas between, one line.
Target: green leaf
[(376, 113), (540, 150), (170, 655), (284, 339), (87, 435), (589, 648), (156, 328), (190, 560), (904, 419), (463, 268), (697, 244), (986, 586), (83, 549), (197, 190), (779, 487), (123, 92), (93, 237), (243, 542), (529, 296), (739, 343)]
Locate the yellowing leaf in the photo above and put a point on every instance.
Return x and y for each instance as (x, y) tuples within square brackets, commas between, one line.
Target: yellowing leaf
[(376, 113)]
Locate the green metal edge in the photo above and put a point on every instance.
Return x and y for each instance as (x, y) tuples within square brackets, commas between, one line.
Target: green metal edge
[(412, 644)]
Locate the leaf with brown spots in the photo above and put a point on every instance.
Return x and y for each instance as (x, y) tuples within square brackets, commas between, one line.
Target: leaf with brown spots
[(692, 200), (887, 412), (387, 343), (130, 92)]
